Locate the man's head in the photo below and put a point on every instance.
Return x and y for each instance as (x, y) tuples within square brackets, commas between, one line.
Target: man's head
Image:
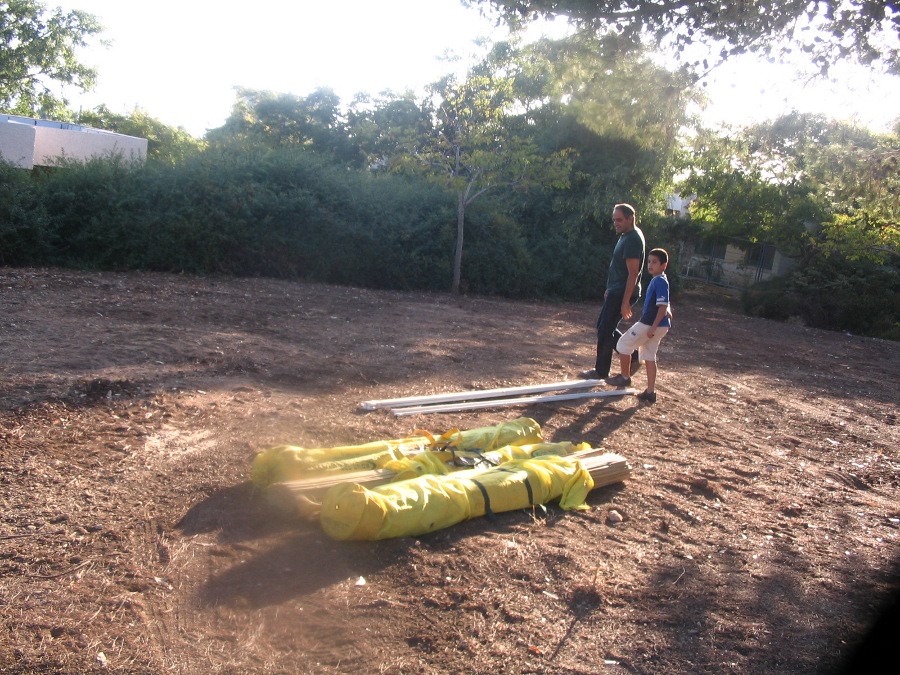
[(657, 261), (624, 218)]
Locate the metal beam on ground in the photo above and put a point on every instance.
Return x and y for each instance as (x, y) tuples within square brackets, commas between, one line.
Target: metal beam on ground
[(476, 394), (506, 402)]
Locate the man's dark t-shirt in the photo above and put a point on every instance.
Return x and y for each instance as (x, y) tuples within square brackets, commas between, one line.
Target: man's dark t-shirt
[(630, 245)]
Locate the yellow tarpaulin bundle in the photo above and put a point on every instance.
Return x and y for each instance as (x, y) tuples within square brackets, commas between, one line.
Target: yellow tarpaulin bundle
[(289, 462), (428, 503), (445, 461), (513, 452), (520, 431)]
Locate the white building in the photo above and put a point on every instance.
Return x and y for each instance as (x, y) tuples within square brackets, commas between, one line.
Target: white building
[(27, 142), (678, 206)]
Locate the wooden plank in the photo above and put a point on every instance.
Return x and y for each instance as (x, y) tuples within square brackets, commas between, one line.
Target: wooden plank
[(607, 469), (302, 498), (476, 394), (506, 402)]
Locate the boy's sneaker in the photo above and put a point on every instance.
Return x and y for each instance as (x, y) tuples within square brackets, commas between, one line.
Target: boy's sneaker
[(648, 396), (591, 374), (618, 380)]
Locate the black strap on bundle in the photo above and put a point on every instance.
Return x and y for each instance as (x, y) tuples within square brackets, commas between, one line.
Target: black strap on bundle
[(487, 499)]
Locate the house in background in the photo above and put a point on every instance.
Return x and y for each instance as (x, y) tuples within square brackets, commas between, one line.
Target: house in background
[(678, 206), (26, 142), (734, 263)]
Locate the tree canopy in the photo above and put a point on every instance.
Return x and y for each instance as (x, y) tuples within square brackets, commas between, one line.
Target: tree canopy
[(826, 30), (37, 48), (476, 144), (801, 180), (545, 137), (275, 119)]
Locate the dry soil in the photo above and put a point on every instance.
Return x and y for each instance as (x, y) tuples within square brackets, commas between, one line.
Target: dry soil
[(760, 525)]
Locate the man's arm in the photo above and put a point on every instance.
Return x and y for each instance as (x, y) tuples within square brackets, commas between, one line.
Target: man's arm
[(634, 268)]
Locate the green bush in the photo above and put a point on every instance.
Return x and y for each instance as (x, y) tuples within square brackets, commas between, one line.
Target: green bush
[(834, 293), (770, 299), (291, 214), (494, 254), (23, 220), (858, 296), (237, 210)]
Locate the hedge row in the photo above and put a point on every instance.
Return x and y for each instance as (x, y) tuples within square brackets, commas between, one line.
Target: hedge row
[(834, 293)]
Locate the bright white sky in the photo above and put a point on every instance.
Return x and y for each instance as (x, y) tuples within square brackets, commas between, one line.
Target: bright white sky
[(179, 60)]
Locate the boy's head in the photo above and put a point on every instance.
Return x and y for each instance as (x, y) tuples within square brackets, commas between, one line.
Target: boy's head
[(657, 261)]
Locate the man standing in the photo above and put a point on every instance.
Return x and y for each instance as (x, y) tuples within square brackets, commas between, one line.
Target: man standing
[(623, 287)]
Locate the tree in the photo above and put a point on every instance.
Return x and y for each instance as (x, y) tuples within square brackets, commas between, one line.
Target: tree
[(619, 110), (824, 192), (169, 145), (739, 196), (275, 120), (385, 126), (801, 180), (827, 30), (476, 144), (853, 171), (37, 48)]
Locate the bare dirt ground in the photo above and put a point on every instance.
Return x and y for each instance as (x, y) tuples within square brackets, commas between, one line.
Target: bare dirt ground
[(761, 522)]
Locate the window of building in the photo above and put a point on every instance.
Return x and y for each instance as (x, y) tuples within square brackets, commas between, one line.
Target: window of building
[(761, 256), (713, 249)]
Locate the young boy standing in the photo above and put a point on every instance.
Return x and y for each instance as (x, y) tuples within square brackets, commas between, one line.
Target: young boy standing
[(646, 334)]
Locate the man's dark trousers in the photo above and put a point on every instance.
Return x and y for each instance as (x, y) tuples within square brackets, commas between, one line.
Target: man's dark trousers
[(607, 333)]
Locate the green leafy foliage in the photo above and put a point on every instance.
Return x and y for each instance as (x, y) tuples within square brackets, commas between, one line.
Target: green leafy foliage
[(234, 210), (555, 120), (825, 193), (387, 126), (609, 84), (476, 145), (37, 48), (23, 219), (276, 120), (802, 182), (834, 293), (864, 30), (853, 170), (772, 299), (617, 115)]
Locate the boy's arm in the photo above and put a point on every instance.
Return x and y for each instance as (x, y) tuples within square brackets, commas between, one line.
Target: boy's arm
[(661, 311)]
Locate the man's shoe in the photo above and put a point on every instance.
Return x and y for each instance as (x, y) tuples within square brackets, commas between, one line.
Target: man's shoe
[(618, 380), (591, 374), (647, 396)]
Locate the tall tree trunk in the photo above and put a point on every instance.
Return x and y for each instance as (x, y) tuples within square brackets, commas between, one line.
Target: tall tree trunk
[(460, 224)]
